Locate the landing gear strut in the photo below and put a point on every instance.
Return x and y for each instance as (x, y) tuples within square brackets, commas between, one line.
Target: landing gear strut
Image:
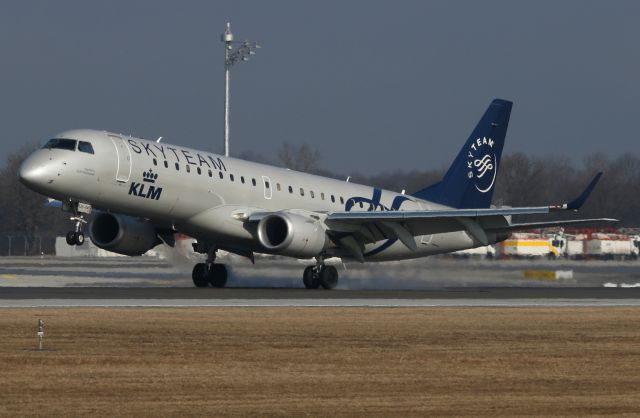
[(76, 237), (320, 275), (209, 273)]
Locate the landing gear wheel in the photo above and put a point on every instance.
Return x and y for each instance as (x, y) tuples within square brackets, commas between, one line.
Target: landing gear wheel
[(217, 275), (75, 236), (328, 277), (71, 238), (310, 278), (199, 275)]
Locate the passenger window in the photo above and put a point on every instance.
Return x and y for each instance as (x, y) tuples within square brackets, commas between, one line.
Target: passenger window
[(361, 205), (311, 193), (242, 179), (341, 200), (177, 167), (301, 191), (333, 198), (210, 173), (199, 171), (86, 147), (290, 189), (188, 168), (220, 174), (322, 195), (231, 177), (166, 164), (253, 181), (266, 185), (155, 162), (278, 186)]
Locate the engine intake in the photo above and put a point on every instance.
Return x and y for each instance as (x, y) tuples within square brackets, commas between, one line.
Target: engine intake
[(122, 234), (292, 235)]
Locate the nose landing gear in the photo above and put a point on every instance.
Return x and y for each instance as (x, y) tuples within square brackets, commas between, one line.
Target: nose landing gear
[(76, 237)]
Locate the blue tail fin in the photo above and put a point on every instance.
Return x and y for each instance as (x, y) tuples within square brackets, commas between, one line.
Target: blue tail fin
[(470, 180)]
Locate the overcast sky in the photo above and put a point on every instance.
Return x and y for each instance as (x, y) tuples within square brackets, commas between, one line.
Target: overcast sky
[(375, 85)]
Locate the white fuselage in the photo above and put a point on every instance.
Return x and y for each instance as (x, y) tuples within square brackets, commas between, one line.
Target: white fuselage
[(205, 195)]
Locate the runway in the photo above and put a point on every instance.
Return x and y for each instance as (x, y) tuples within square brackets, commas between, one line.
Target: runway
[(437, 282), (13, 297)]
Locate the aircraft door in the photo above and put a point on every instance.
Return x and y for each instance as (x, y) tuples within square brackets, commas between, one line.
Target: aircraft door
[(123, 153), (268, 187)]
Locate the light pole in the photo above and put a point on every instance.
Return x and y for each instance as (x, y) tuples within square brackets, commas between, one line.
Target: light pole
[(241, 53)]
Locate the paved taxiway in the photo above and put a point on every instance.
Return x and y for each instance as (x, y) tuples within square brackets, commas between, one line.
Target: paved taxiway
[(12, 297)]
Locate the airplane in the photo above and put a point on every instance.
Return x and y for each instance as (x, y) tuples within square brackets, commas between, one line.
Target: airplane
[(142, 193)]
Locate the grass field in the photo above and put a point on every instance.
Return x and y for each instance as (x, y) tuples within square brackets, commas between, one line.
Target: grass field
[(320, 362)]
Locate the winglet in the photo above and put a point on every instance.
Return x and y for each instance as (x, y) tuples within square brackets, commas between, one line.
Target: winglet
[(579, 201)]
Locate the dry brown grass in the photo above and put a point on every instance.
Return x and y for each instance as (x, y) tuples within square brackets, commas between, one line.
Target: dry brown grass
[(321, 362)]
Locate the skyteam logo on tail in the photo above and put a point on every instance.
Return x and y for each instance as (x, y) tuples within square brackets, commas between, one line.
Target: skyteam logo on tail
[(482, 164)]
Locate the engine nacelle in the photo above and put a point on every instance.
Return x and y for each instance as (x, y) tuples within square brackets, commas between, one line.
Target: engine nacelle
[(292, 235), (122, 234)]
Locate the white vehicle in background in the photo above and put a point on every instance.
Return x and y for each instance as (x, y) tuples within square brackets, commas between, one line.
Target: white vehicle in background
[(569, 246), (574, 248), (612, 246), (529, 245)]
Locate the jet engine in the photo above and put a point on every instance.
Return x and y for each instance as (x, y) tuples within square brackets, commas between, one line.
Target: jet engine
[(292, 235), (122, 234)]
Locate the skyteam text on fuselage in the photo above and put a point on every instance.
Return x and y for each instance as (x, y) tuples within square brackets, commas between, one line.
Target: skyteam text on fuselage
[(144, 192)]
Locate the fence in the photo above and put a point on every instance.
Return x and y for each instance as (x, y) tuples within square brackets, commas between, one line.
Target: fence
[(22, 245)]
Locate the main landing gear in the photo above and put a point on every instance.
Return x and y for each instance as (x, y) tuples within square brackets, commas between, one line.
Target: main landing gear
[(209, 273), (320, 275), (76, 237)]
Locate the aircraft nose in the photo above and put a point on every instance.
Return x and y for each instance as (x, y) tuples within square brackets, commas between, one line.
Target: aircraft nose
[(33, 172)]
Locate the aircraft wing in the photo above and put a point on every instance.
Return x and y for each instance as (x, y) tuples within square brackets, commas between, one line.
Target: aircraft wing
[(353, 228), (377, 226), (399, 216)]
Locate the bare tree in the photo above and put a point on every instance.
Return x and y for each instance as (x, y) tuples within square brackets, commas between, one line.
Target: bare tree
[(299, 157)]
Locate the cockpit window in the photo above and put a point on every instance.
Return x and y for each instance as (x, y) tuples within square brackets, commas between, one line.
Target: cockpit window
[(86, 147), (61, 143)]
